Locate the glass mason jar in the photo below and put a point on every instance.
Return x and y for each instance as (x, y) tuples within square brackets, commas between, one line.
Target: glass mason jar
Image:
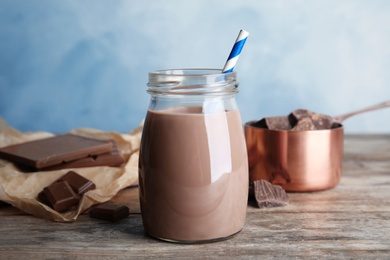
[(193, 166)]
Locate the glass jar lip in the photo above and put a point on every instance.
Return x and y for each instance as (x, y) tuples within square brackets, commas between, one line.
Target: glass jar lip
[(202, 81), (191, 72)]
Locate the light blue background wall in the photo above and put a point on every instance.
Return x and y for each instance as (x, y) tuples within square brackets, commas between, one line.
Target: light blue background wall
[(71, 64)]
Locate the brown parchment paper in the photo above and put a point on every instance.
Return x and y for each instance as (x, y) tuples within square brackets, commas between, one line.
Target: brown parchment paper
[(21, 189)]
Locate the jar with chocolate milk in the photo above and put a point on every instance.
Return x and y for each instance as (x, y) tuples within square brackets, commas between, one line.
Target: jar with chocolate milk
[(193, 166)]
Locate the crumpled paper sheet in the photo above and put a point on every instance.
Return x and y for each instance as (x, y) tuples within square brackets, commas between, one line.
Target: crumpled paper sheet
[(21, 189)]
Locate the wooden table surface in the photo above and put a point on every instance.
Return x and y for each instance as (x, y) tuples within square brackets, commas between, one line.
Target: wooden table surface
[(351, 221)]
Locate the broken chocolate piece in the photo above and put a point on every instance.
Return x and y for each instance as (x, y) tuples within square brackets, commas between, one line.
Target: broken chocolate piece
[(304, 124), (322, 121), (274, 123), (298, 114), (302, 119), (54, 150), (78, 183), (298, 120), (59, 196), (66, 191), (268, 195), (113, 158), (42, 198), (109, 211)]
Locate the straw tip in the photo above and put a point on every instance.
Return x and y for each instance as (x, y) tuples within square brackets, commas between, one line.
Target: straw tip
[(244, 33)]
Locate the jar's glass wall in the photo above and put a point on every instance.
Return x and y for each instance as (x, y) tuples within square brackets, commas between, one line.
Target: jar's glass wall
[(193, 165)]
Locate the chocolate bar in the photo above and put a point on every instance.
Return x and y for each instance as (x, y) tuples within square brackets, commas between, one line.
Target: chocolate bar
[(54, 150), (109, 211), (113, 158), (59, 196), (268, 195), (78, 183)]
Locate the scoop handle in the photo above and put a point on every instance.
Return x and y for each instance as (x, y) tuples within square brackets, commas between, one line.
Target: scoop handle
[(341, 118)]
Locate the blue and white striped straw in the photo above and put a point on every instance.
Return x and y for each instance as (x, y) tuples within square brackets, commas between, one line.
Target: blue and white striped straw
[(235, 53)]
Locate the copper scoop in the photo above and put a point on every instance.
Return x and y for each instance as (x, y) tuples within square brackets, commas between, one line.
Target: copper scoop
[(299, 161)]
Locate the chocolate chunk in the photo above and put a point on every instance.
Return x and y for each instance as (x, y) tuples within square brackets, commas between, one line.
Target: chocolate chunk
[(109, 211), (54, 150), (42, 198), (66, 191), (268, 195), (298, 114), (59, 196), (113, 158), (274, 123), (302, 119), (298, 120), (78, 183), (322, 121), (304, 124)]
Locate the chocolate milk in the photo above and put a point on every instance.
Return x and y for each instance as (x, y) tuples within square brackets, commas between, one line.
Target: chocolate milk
[(193, 174)]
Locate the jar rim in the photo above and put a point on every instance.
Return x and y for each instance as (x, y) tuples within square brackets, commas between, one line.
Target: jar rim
[(197, 81), (191, 72)]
